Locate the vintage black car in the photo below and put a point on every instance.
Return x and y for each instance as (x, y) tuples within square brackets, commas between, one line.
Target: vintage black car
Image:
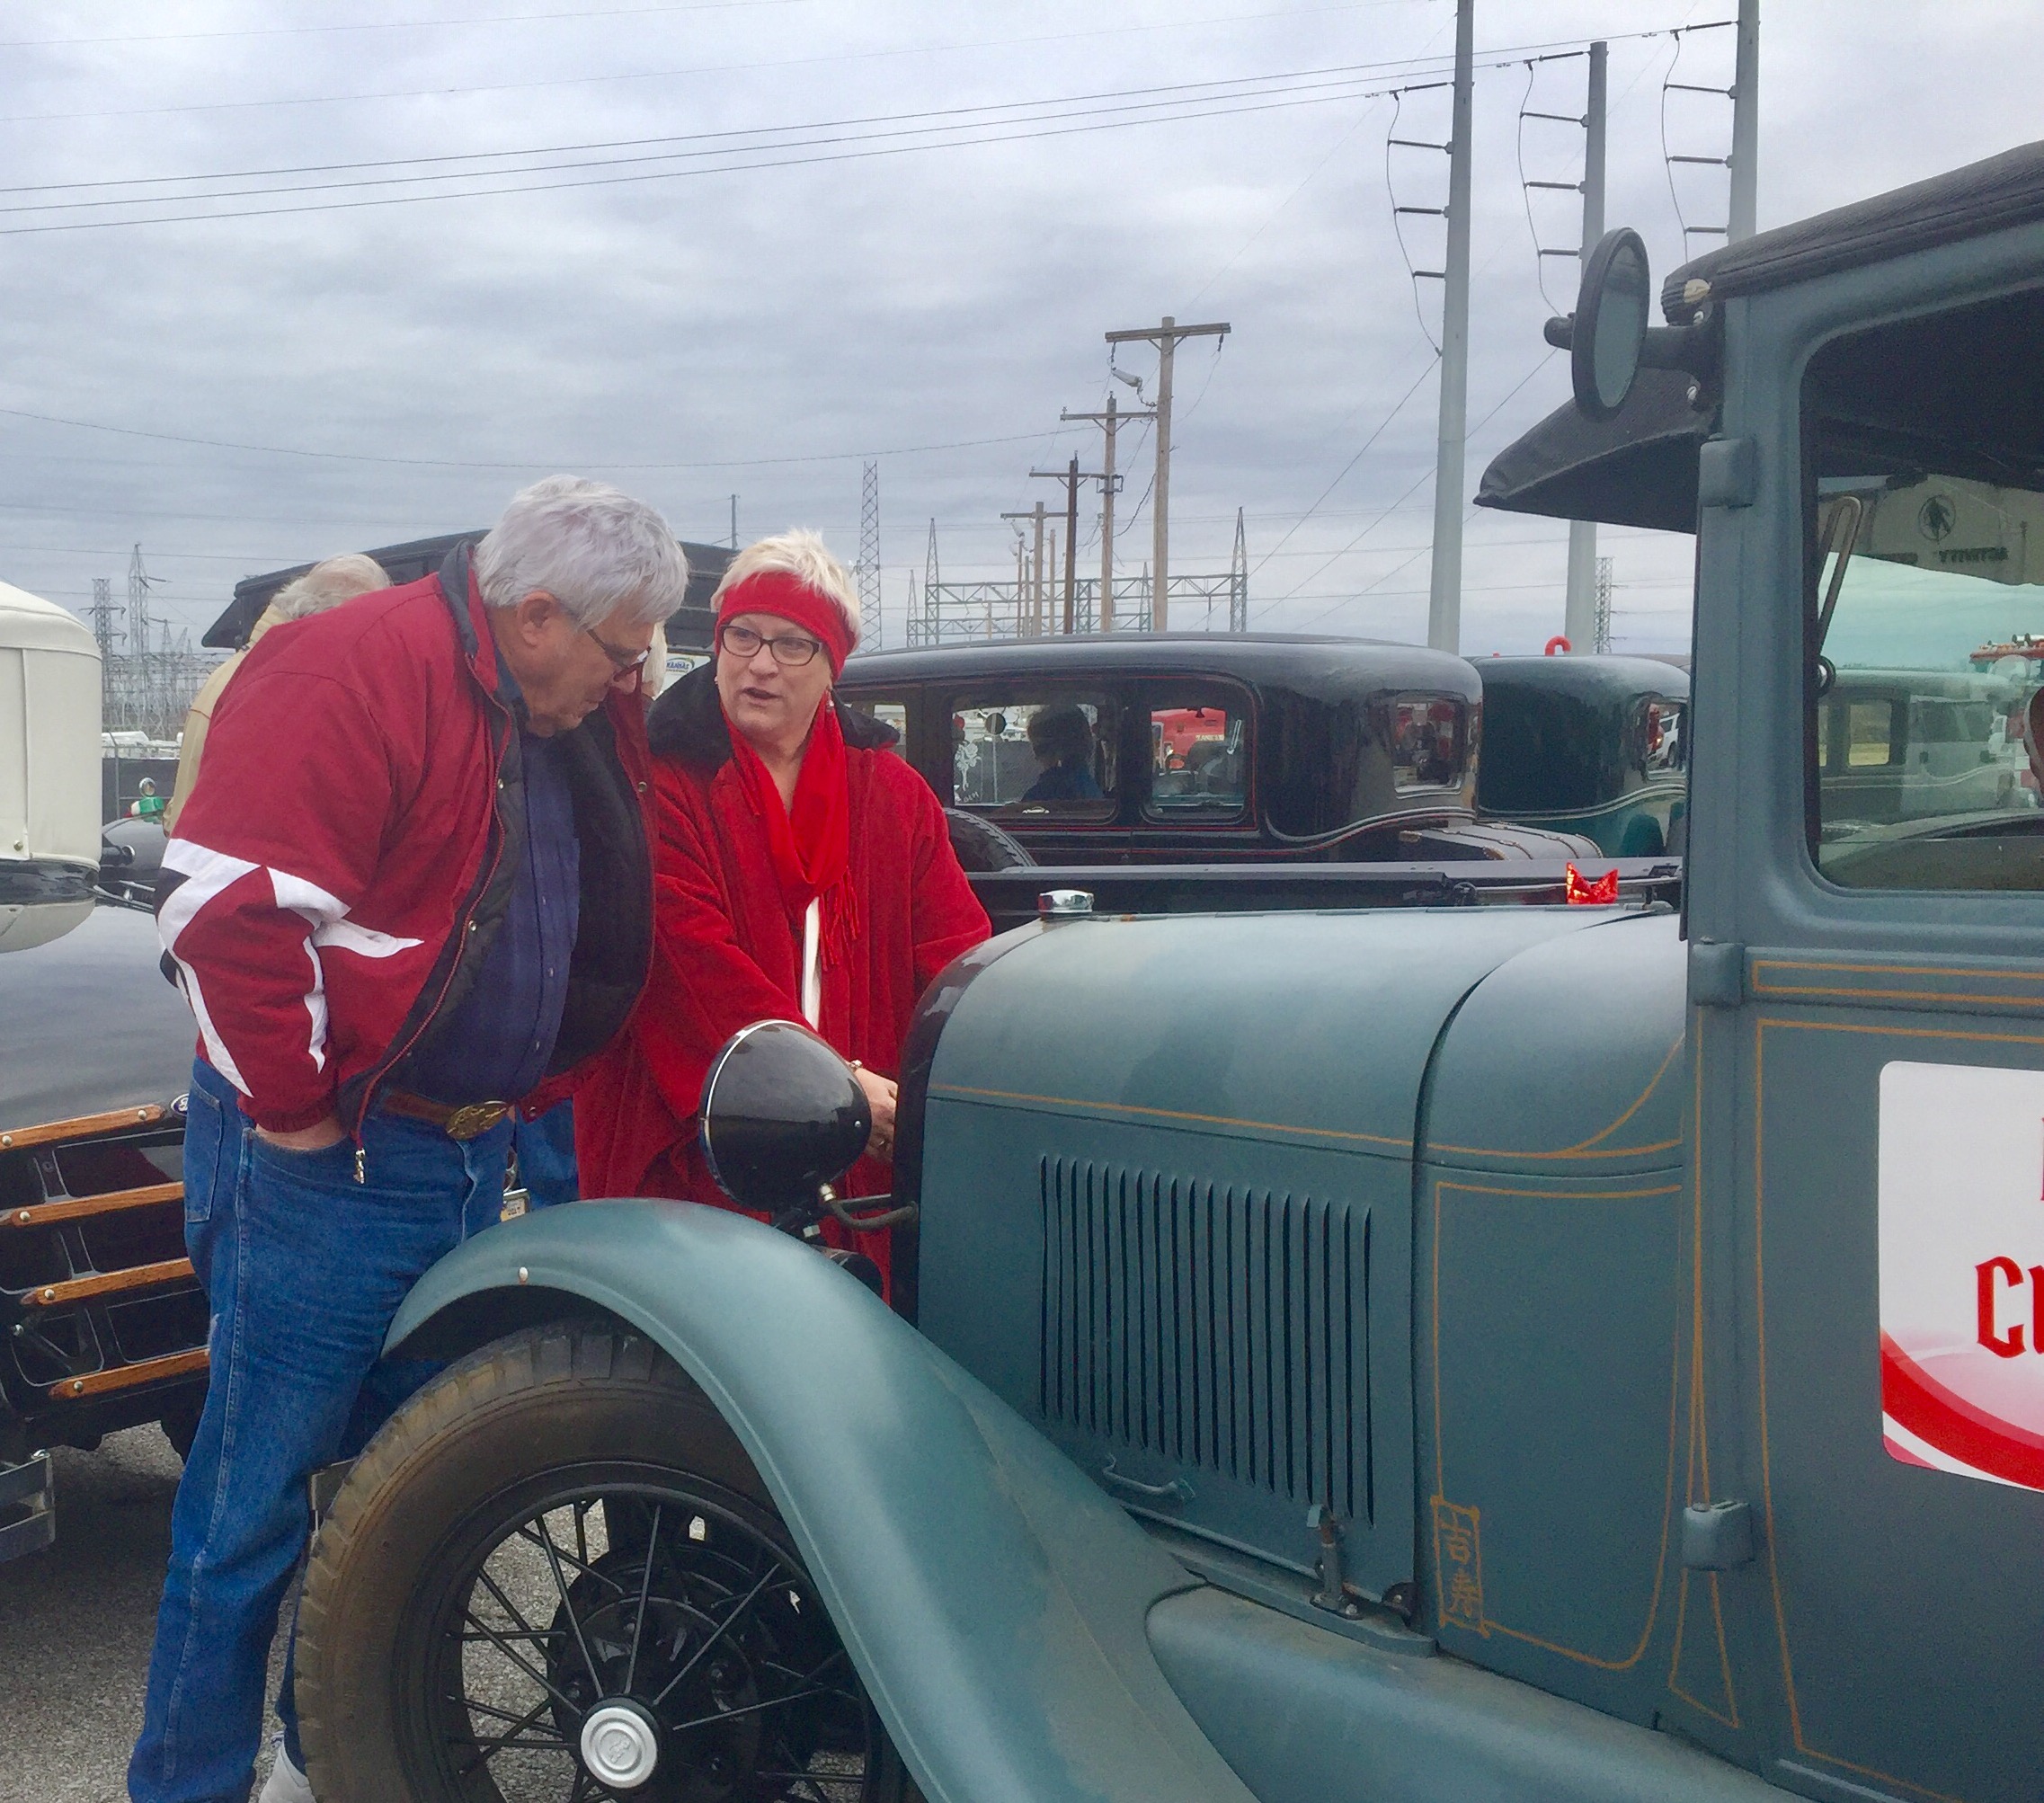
[(688, 631), (1590, 744), (1203, 749)]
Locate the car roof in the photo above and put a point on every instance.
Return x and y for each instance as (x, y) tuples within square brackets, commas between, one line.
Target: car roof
[(1311, 663), (416, 557), (1988, 196)]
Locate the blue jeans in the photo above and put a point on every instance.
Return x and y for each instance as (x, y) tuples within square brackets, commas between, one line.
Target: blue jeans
[(546, 1156), (304, 1269)]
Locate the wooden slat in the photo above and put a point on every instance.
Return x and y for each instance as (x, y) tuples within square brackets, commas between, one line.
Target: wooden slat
[(127, 1376), (106, 1284), (50, 1213), (84, 1127)]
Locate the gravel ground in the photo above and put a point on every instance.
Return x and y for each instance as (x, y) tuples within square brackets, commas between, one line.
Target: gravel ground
[(75, 1624)]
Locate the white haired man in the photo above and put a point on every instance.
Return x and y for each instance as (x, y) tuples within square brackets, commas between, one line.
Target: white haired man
[(325, 585), (410, 892)]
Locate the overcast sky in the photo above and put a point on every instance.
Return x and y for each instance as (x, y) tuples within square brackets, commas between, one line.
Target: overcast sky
[(761, 330)]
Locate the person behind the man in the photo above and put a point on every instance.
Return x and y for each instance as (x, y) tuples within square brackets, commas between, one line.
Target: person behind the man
[(1062, 737), (412, 886), (325, 585)]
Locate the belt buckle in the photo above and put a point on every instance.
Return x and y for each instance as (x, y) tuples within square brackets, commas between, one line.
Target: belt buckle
[(475, 1118)]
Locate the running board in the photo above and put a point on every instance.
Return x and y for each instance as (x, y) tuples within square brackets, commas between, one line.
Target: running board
[(79, 1208), (127, 1376), (82, 1127), (106, 1284)]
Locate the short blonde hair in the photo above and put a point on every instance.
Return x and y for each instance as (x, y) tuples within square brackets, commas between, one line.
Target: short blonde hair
[(803, 554), (328, 584)]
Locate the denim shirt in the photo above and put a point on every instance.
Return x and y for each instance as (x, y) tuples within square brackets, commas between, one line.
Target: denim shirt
[(495, 1043)]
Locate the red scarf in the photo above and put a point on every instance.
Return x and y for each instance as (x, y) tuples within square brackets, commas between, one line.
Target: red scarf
[(810, 843)]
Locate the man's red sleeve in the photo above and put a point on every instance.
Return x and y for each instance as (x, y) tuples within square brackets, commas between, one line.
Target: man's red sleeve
[(273, 850)]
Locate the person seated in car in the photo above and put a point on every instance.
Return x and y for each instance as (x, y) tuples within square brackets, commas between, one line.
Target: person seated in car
[(1062, 739)]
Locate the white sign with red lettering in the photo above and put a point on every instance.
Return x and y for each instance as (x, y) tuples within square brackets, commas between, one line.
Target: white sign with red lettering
[(1962, 1270)]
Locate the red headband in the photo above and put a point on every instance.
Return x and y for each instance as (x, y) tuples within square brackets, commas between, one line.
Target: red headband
[(776, 592)]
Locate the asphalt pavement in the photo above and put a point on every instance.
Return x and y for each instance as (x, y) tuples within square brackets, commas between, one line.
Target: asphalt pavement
[(75, 1624)]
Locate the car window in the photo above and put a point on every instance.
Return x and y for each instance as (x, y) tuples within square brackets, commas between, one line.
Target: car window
[(1429, 741), (890, 710), (1035, 755), (1198, 762)]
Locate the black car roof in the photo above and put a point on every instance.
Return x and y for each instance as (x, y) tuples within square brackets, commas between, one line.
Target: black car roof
[(1300, 661), (1988, 196), (1596, 678), (416, 557)]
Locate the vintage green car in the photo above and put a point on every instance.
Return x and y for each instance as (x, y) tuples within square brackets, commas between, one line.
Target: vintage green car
[(1529, 1352), (1592, 744)]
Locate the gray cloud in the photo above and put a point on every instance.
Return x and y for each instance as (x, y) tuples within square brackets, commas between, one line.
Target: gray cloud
[(923, 299)]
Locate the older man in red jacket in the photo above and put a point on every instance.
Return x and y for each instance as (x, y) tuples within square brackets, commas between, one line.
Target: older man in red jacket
[(804, 872), (409, 891)]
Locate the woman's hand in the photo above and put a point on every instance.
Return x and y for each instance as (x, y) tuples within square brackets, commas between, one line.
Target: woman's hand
[(880, 1093)]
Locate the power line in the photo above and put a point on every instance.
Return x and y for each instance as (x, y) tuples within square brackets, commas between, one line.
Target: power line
[(445, 92), (549, 464), (1165, 94), (578, 12)]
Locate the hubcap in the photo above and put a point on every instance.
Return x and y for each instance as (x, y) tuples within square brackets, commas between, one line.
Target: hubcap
[(619, 1744)]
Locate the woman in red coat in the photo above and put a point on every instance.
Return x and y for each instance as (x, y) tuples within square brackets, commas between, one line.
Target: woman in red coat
[(802, 872)]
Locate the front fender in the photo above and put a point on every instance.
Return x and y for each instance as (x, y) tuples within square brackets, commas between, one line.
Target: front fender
[(992, 1597)]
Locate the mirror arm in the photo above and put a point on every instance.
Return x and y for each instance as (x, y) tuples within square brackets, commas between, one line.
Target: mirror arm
[(1693, 349)]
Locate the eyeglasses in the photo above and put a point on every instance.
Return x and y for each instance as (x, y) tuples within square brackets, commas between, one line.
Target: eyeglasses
[(623, 663), (790, 648)]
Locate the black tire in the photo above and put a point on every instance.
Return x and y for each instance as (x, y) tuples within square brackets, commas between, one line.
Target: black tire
[(573, 1468)]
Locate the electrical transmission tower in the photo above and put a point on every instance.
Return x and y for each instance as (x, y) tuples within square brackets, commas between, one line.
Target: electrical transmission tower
[(141, 689), (1603, 604), (1239, 580), (869, 558)]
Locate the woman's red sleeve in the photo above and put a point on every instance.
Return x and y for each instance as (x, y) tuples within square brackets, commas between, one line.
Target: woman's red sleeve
[(704, 986)]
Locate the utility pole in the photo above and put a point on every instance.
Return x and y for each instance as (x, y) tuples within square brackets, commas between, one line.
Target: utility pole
[(734, 522), (1165, 337), (1578, 616), (1444, 600), (868, 556), (1036, 588), (1108, 421), (1746, 125), (1070, 477)]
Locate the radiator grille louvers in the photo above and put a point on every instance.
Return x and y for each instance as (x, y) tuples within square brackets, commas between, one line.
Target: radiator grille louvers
[(1221, 1327)]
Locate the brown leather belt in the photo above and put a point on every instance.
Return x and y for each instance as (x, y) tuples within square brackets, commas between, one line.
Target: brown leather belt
[(467, 1122)]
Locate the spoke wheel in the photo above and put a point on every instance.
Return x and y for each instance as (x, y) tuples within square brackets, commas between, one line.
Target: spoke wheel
[(561, 1588)]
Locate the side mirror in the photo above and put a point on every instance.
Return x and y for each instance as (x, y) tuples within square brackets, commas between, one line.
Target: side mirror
[(1610, 327), (782, 1115)]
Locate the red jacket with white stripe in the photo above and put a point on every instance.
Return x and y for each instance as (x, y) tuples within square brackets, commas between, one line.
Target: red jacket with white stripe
[(339, 871)]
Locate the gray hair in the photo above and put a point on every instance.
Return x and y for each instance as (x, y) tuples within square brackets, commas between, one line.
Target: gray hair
[(327, 585), (803, 554), (593, 548)]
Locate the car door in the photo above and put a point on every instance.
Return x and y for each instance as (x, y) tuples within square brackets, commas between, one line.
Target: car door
[(1867, 1028)]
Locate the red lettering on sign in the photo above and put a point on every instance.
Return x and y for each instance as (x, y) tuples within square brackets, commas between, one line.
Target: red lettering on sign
[(2002, 1346)]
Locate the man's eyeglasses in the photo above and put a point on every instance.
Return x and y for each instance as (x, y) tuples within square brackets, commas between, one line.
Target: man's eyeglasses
[(789, 648), (623, 663)]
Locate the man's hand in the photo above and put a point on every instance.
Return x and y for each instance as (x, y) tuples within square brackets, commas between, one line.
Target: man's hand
[(321, 1134), (880, 1097)]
